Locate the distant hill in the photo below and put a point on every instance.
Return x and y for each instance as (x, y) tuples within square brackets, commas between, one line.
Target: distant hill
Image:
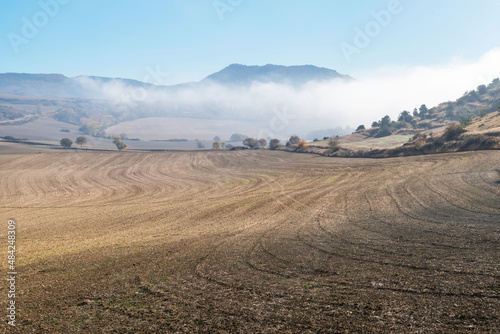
[(60, 86), (36, 85), (237, 74)]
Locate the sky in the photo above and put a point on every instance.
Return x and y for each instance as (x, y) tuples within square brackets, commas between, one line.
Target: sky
[(175, 41)]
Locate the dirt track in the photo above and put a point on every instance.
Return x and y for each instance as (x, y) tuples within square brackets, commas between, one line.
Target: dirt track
[(253, 241)]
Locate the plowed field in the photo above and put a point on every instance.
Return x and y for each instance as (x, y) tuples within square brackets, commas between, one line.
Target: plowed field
[(251, 242)]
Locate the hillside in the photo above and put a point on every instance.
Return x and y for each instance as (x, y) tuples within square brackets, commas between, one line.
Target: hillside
[(475, 103), (486, 124)]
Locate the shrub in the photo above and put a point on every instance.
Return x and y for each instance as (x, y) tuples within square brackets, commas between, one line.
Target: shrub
[(120, 145), (333, 144), (401, 125), (274, 144), (262, 143), (66, 142), (302, 143), (361, 127), (479, 141), (426, 125), (465, 120), (251, 143), (384, 132), (419, 143), (405, 116), (385, 121), (294, 140), (216, 145), (452, 132)]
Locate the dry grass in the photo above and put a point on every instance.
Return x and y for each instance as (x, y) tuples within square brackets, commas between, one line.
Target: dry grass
[(357, 141), (488, 123), (253, 241)]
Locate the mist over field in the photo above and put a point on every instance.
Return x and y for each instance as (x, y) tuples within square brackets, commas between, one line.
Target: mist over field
[(332, 103)]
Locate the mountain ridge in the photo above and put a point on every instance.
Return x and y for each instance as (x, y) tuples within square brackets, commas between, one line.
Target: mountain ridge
[(296, 74), (56, 85)]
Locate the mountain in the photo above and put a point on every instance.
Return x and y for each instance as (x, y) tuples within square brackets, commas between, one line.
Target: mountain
[(35, 85), (60, 86), (55, 85), (237, 74)]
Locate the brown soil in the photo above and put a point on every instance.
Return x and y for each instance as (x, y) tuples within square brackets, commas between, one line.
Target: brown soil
[(253, 242)]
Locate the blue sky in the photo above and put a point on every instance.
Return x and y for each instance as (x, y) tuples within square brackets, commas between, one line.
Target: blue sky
[(189, 40)]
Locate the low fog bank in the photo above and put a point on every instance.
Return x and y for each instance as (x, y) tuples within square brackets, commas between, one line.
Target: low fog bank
[(281, 110)]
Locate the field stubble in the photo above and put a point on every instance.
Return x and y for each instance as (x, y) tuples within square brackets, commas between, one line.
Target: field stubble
[(254, 241)]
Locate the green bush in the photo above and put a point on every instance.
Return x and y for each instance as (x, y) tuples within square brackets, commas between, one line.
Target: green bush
[(465, 120), (383, 132)]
